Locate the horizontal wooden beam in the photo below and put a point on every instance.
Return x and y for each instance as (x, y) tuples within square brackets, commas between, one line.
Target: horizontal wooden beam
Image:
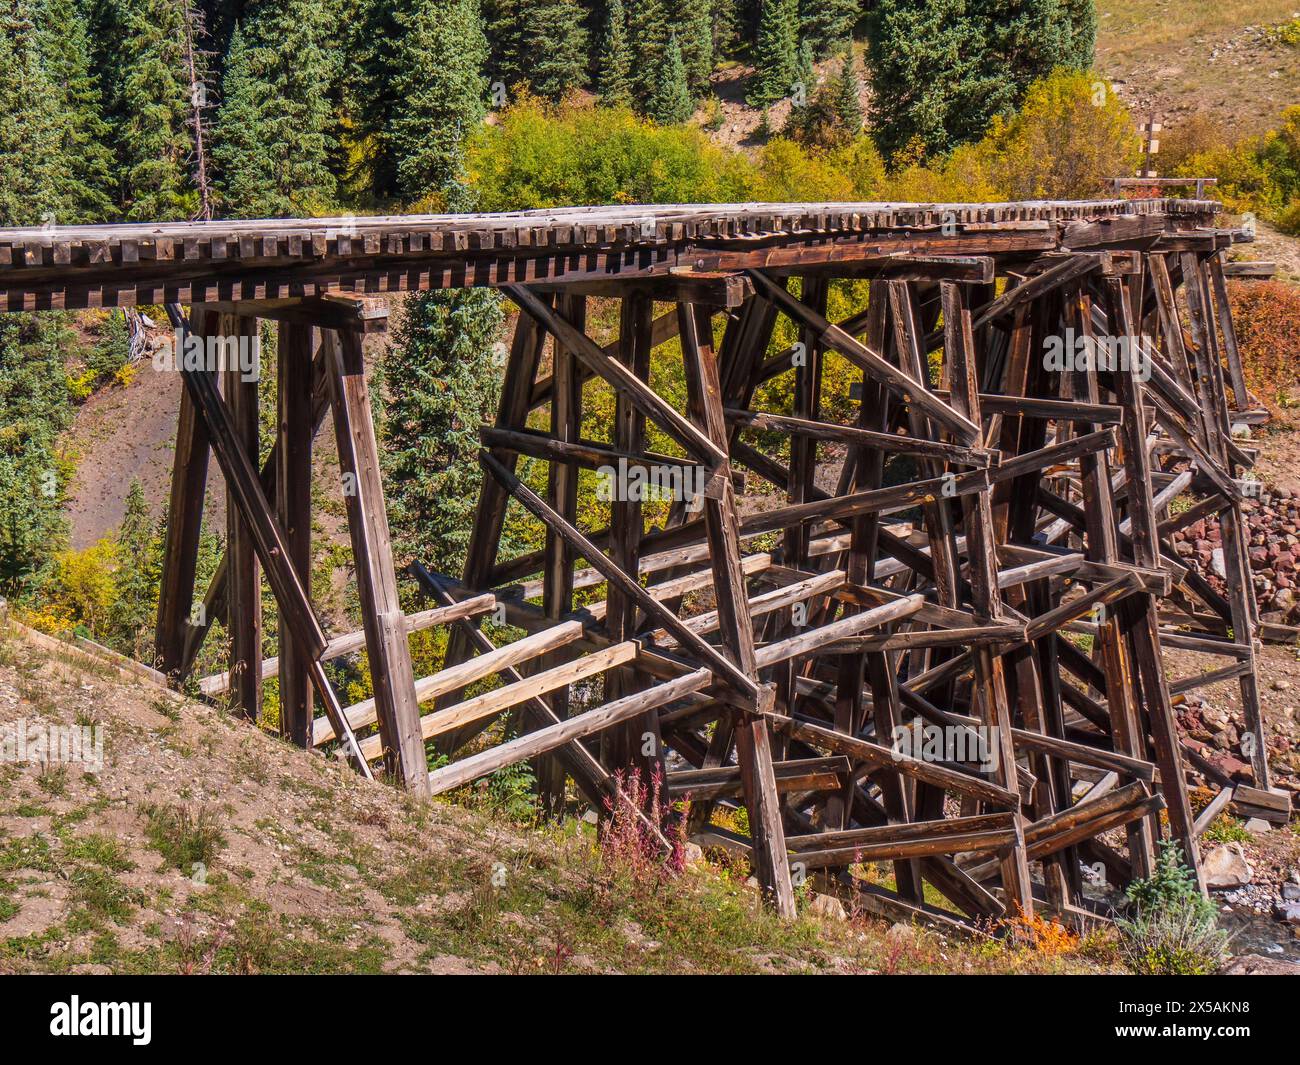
[(585, 724), (356, 641)]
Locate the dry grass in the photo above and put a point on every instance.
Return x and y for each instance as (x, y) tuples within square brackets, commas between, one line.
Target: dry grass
[(1164, 52), (177, 858)]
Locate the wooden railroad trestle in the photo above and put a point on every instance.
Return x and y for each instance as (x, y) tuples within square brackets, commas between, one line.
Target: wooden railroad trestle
[(1037, 507)]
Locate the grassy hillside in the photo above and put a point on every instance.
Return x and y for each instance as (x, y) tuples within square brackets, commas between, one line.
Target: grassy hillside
[(1201, 56), (205, 845)]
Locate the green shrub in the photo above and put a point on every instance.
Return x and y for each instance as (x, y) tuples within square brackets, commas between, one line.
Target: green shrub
[(540, 156), (1172, 941), (185, 837), (1227, 829), (1173, 928)]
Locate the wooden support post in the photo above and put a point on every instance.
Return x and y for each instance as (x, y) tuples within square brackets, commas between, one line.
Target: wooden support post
[(268, 538), (184, 524), (736, 627), (638, 743), (244, 585), (490, 514), (1139, 613), (1240, 582), (293, 507), (1127, 733), (562, 494), (989, 693), (381, 610), (1223, 315)]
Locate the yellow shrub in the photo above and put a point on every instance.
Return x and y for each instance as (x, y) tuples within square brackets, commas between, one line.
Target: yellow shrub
[(1071, 134), (84, 588), (788, 173), (1049, 938)]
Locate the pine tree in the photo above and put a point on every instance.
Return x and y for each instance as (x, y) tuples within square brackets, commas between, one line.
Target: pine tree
[(695, 22), (670, 99), (34, 409), (1080, 51), (614, 72), (440, 375), (438, 94), (32, 185), (1028, 39), (805, 77), (143, 70), (648, 31), (442, 381), (941, 69), (828, 24), (727, 18), (132, 609), (84, 151), (776, 55), (848, 101), (274, 134), (36, 185), (541, 43), (926, 75)]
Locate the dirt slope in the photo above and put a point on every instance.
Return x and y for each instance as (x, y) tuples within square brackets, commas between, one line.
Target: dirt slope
[(1213, 57), (204, 845)]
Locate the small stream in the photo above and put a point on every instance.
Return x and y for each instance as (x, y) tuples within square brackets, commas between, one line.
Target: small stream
[(1256, 933)]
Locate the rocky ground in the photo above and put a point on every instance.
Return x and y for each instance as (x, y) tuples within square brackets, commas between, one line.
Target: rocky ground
[(1253, 866), (1273, 525)]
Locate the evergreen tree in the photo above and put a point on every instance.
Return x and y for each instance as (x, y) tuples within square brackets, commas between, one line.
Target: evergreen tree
[(776, 54), (1080, 51), (811, 120), (86, 160), (274, 136), (828, 24), (541, 42), (695, 37), (37, 183), (436, 94), (614, 72), (805, 77), (441, 381), (648, 30), (129, 618), (926, 75), (848, 101), (1028, 39), (440, 375), (32, 178), (34, 409), (670, 99), (143, 70), (727, 18), (941, 69)]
